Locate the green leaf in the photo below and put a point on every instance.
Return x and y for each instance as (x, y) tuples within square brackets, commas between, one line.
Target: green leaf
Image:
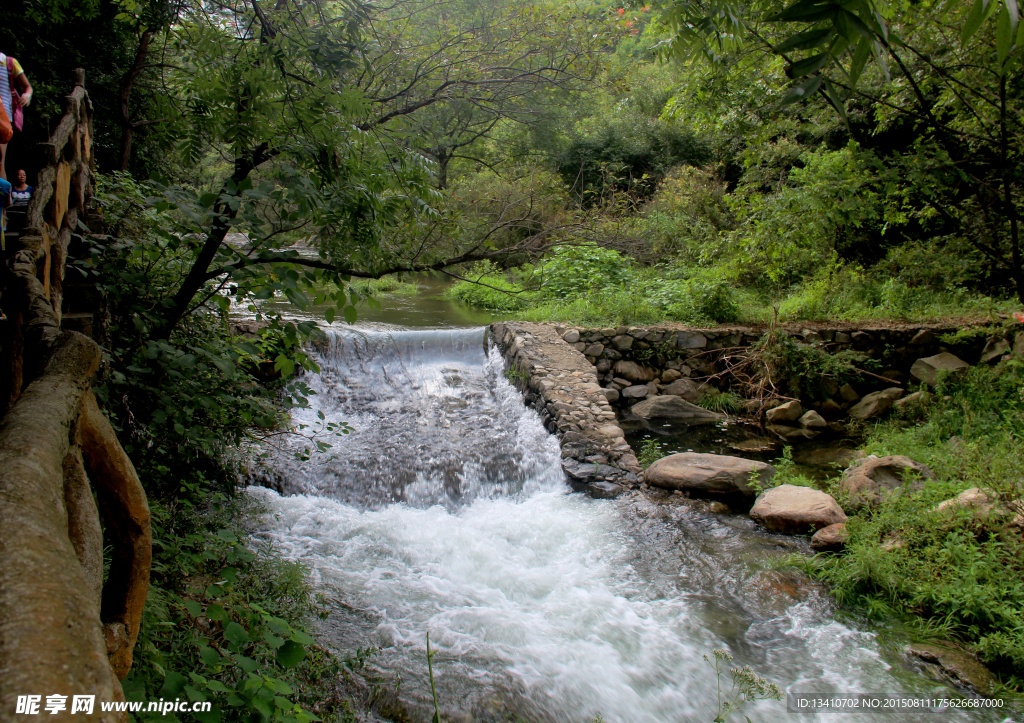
[(215, 611), (290, 654), (350, 314), (209, 655), (210, 716), (194, 608), (329, 315), (272, 640), (174, 683), (974, 20), (806, 11), (247, 664), (217, 687), (805, 41), (300, 637), (802, 91), (860, 59), (807, 66), (1004, 35), (235, 633), (281, 687)]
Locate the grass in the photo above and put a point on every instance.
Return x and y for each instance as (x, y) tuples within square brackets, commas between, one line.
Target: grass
[(708, 297), (384, 285), (954, 575)]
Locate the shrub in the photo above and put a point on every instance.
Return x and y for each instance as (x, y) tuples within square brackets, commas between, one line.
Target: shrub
[(573, 271)]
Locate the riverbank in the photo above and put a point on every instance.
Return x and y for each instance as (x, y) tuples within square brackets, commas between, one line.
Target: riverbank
[(915, 554)]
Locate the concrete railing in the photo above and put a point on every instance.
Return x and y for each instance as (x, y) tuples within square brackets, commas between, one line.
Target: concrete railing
[(63, 630)]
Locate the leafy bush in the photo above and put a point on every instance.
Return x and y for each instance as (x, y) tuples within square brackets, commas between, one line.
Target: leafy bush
[(490, 289), (573, 271), (226, 622)]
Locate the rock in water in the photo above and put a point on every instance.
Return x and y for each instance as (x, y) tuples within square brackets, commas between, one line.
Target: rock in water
[(685, 388), (795, 510), (927, 368), (788, 412), (812, 420), (961, 666), (830, 539), (875, 404), (676, 409), (872, 477), (637, 391), (604, 490), (708, 473)]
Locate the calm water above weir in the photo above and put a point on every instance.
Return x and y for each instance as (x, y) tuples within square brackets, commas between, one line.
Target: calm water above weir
[(445, 511)]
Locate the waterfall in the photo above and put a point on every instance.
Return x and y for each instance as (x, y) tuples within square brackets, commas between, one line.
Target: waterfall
[(445, 511)]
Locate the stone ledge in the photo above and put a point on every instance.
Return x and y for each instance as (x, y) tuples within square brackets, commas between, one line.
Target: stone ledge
[(559, 382)]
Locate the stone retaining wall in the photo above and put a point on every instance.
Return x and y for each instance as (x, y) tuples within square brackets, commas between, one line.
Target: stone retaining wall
[(575, 377), (654, 357), (559, 382)]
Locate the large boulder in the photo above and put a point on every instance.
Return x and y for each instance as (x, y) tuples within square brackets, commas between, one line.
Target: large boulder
[(875, 404), (788, 412), (634, 372), (708, 473), (927, 369), (676, 409), (795, 510), (872, 478)]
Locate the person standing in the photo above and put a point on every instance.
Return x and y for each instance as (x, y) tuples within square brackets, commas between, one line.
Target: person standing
[(15, 93), (21, 192)]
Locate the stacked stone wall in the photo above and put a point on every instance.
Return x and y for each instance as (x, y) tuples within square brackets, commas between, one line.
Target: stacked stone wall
[(559, 382)]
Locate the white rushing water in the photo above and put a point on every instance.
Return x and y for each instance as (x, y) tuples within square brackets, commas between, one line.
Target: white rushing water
[(445, 512)]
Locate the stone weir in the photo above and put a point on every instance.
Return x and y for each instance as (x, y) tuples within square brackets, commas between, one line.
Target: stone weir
[(558, 381)]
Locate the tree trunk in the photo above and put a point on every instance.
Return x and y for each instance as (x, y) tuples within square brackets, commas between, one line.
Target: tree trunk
[(1016, 268), (223, 213), (127, 83)]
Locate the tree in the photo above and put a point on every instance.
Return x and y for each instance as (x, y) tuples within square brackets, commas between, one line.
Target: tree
[(953, 97), (453, 71)]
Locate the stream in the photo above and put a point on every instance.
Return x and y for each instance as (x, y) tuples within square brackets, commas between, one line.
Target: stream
[(445, 511)]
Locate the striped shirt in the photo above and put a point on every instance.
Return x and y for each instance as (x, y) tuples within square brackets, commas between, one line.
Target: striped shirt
[(5, 83)]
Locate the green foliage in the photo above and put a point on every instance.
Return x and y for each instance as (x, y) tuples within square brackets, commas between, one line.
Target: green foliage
[(627, 152), (651, 450), (718, 401), (955, 574), (747, 686), (226, 622), (804, 371), (489, 289), (575, 271)]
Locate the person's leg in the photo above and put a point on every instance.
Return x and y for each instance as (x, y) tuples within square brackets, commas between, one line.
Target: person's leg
[(3, 161)]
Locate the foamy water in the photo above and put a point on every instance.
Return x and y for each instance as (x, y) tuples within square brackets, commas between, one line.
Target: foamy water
[(543, 604)]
